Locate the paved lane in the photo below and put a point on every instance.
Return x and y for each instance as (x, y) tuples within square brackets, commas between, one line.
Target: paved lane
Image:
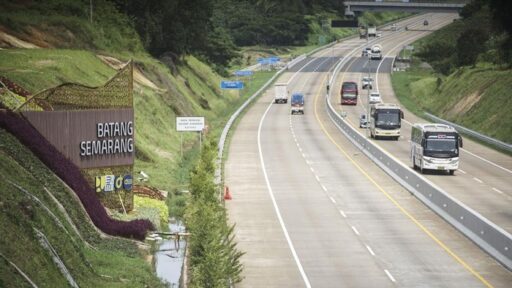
[(311, 211)]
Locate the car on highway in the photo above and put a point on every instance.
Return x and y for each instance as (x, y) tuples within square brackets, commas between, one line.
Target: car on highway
[(363, 121), (425, 23), (367, 83), (393, 27), (297, 103), (375, 97), (366, 51)]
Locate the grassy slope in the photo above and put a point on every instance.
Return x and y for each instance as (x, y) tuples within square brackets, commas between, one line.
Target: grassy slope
[(118, 259), (191, 90), (475, 97)]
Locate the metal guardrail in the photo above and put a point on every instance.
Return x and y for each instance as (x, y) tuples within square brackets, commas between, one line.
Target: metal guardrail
[(479, 136), (490, 237), (227, 128)]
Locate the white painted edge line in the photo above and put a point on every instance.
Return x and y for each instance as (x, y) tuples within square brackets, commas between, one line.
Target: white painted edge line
[(462, 171), (334, 201), (478, 180), (355, 230), (497, 190), (317, 178), (323, 188), (276, 208), (370, 250), (389, 275), (487, 161), (342, 213)]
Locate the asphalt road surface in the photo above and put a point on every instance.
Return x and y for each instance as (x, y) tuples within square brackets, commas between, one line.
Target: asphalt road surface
[(311, 211)]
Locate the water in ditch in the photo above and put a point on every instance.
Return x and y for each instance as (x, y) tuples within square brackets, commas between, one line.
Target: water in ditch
[(170, 255)]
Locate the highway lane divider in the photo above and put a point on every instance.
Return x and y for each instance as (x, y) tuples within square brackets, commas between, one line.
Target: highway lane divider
[(491, 238)]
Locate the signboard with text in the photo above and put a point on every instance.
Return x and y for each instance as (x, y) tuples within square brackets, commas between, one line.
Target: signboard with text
[(243, 73), (187, 124), (231, 85)]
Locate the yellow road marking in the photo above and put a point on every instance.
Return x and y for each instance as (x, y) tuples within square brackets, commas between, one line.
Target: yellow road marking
[(402, 209)]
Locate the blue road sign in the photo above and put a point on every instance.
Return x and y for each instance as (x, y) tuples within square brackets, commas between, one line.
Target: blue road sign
[(231, 85), (274, 59), (243, 73)]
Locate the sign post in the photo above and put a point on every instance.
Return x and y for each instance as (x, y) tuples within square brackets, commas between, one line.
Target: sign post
[(190, 124)]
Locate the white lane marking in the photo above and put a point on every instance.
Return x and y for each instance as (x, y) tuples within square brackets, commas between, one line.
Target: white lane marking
[(300, 149), (355, 230), (312, 170), (332, 200), (462, 171), (497, 190), (389, 275), (474, 155), (342, 213), (462, 149), (323, 188), (370, 250), (488, 161), (303, 155), (276, 208), (478, 180), (317, 178)]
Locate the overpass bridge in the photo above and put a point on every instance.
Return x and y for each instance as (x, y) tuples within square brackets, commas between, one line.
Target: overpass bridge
[(414, 6)]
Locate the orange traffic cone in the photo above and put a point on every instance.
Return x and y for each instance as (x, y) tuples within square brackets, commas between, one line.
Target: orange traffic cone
[(227, 195)]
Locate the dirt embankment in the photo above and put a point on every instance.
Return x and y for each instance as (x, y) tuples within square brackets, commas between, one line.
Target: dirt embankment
[(9, 41)]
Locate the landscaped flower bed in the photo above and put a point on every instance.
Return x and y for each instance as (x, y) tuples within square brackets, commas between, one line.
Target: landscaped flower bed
[(70, 174)]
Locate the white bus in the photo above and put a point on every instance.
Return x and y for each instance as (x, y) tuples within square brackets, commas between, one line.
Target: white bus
[(435, 147), (385, 120)]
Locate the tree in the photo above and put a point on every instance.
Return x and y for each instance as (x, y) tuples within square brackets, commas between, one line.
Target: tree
[(470, 43)]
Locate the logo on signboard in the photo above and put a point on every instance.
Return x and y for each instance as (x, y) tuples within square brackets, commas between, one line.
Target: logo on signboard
[(109, 183), (127, 182)]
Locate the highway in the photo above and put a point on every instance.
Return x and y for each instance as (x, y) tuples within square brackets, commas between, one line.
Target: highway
[(311, 211), (484, 179)]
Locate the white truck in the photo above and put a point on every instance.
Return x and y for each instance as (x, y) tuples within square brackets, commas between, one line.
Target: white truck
[(372, 32), (281, 93), (376, 52)]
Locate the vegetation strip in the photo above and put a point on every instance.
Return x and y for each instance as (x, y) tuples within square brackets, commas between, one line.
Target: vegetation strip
[(20, 271), (19, 127)]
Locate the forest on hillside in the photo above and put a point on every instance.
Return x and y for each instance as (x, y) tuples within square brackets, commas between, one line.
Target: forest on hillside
[(216, 28), (211, 29), (482, 34)]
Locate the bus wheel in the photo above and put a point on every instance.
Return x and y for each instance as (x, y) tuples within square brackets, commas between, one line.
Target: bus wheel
[(414, 163), (452, 172), (421, 167)]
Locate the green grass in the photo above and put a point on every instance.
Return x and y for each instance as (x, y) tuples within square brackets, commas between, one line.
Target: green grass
[(118, 259), (478, 98), (37, 69)]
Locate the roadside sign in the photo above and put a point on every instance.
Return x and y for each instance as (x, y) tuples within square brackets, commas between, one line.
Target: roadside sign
[(243, 73), (270, 60), (344, 23), (184, 124), (231, 85), (274, 59)]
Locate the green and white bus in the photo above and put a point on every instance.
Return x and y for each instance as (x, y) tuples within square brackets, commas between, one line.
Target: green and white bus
[(435, 147)]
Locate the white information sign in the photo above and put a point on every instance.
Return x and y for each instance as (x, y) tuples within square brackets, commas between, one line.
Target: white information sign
[(189, 124)]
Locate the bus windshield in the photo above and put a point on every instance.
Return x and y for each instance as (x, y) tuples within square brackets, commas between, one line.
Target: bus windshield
[(441, 148), (387, 118), (349, 95)]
